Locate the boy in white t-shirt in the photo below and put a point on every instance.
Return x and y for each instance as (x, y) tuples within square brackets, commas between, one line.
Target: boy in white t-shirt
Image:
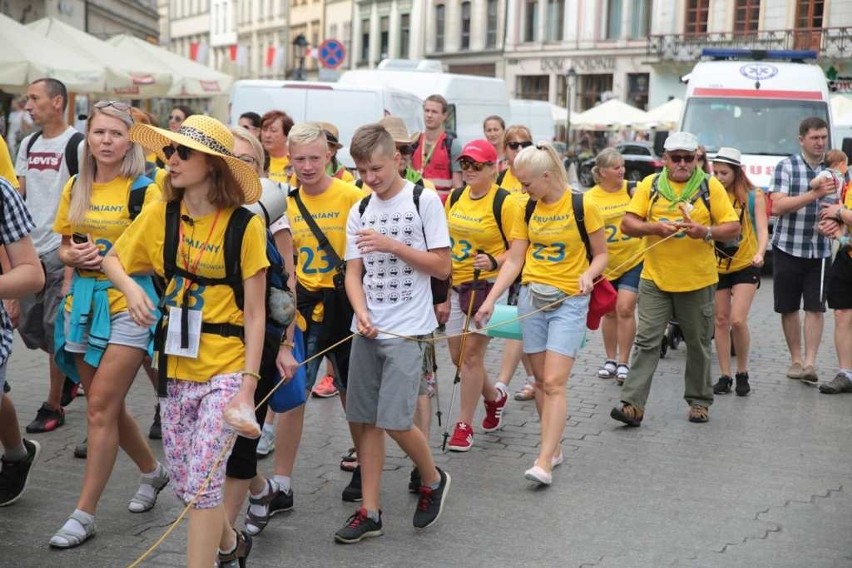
[(397, 239)]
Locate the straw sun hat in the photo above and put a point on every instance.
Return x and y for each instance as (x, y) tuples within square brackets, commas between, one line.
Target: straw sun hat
[(203, 134), (396, 127)]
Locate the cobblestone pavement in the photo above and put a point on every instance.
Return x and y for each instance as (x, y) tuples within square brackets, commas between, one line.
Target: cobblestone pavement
[(766, 483)]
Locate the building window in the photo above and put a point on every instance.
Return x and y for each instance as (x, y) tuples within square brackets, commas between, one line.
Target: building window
[(491, 32), (315, 33), (696, 16), (640, 19), (613, 19), (555, 19), (384, 37), (589, 90), (637, 89), (404, 35), (530, 20), (534, 87), (440, 15), (365, 40), (746, 16), (809, 14), (465, 25), (332, 31)]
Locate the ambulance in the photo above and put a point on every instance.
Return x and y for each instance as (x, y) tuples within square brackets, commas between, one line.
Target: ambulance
[(753, 101)]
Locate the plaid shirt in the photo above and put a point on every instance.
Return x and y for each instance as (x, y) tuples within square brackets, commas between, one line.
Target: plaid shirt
[(15, 224), (796, 232)]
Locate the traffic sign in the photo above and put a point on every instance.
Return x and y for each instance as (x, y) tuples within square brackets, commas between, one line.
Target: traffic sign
[(331, 53)]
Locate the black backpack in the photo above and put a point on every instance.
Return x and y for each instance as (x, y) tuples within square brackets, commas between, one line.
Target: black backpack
[(70, 150), (497, 208)]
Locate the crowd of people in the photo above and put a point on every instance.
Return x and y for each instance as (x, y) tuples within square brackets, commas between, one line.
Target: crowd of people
[(104, 272)]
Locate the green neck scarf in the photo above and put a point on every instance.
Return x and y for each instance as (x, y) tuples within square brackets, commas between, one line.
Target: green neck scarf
[(412, 175), (689, 191)]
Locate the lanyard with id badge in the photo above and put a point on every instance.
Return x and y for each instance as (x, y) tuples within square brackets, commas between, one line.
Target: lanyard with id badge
[(183, 335)]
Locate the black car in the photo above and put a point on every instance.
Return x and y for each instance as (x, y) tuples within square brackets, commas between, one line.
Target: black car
[(639, 161)]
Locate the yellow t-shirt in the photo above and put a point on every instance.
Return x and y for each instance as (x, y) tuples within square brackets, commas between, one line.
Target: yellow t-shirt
[(473, 227), (278, 169), (556, 254), (343, 175), (106, 220), (510, 182), (848, 203), (330, 210), (681, 264), (624, 252), (748, 242), (140, 250), (7, 169)]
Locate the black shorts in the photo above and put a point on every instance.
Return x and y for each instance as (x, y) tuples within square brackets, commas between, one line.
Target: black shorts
[(840, 285), (795, 279), (748, 275)]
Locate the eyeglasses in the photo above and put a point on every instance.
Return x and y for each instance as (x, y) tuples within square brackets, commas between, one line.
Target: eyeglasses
[(182, 151), (516, 145), (405, 149), (117, 105), (243, 157), (175, 118), (682, 158), (467, 165), (700, 157)]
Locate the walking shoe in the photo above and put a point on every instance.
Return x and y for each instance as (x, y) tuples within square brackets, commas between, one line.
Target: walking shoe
[(70, 391), (325, 388), (143, 500), (65, 538), (557, 460), (628, 414), (607, 370), (352, 492), (839, 384), (494, 411), (81, 450), (538, 475), (795, 371), (266, 444), (47, 419), (621, 373), (742, 387), (281, 503), (431, 502), (358, 527), (256, 521), (809, 375), (462, 440), (414, 481), (156, 430), (723, 385), (237, 557), (699, 414), (527, 392), (15, 474)]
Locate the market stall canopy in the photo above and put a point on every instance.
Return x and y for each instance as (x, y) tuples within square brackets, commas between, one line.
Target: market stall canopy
[(127, 75), (610, 115), (189, 79), (560, 113), (666, 116), (841, 110), (27, 56)]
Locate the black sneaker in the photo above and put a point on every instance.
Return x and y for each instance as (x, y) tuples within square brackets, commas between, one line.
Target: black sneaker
[(723, 385), (414, 481), (14, 475), (70, 390), (156, 430), (281, 503), (431, 502), (81, 450), (352, 492), (742, 387), (237, 557), (358, 527), (47, 419)]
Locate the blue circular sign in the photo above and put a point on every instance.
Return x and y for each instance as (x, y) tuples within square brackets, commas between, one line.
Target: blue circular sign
[(331, 53)]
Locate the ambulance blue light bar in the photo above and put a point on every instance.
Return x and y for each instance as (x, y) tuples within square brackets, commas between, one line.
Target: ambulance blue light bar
[(759, 54)]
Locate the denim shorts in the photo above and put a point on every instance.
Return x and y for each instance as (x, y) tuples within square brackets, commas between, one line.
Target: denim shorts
[(561, 330), (123, 331), (629, 280)]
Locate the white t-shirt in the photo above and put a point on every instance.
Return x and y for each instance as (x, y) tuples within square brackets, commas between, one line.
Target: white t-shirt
[(46, 174), (399, 298)]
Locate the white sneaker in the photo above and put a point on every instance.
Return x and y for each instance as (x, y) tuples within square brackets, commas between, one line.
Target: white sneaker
[(538, 475), (266, 443), (557, 459)]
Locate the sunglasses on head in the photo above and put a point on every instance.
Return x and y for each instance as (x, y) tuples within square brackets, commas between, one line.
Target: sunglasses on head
[(243, 157), (516, 145), (182, 151), (471, 165), (682, 158), (117, 105)]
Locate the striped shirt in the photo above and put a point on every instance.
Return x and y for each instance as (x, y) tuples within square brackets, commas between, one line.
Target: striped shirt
[(796, 232), (15, 224)]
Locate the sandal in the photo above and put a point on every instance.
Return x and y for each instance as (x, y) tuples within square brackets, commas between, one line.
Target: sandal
[(141, 502), (527, 392), (66, 539), (628, 414), (237, 557), (349, 461), (699, 414), (256, 523), (608, 370), (621, 373)]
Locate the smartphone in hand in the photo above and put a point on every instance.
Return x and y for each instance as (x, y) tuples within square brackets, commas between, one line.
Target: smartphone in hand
[(79, 238)]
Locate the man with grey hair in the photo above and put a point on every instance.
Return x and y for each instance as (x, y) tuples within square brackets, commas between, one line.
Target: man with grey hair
[(680, 212)]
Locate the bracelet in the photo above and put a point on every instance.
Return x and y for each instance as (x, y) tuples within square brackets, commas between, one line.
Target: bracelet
[(839, 215), (709, 236), (255, 376), (288, 344)]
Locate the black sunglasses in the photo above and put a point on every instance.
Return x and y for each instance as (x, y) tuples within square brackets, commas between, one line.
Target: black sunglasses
[(682, 158), (176, 118), (471, 165), (516, 145), (182, 151), (405, 149)]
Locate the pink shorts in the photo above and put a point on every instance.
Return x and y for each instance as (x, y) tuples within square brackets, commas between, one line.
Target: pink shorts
[(195, 435)]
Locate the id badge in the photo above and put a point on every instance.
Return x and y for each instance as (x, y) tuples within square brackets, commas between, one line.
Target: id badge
[(173, 346)]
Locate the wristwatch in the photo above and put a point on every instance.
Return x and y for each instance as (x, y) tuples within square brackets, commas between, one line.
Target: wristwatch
[(709, 236)]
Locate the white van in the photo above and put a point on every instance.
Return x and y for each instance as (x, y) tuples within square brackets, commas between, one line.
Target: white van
[(345, 106), (753, 101), (472, 99), (535, 115)]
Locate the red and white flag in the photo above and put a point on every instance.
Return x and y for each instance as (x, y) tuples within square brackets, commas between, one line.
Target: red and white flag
[(198, 51), (238, 54), (274, 56)]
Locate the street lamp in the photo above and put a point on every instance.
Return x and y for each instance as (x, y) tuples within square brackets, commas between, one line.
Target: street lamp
[(570, 83), (300, 46)]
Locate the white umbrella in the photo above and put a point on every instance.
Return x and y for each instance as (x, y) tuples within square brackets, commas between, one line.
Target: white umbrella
[(666, 116), (127, 74), (27, 56), (608, 115), (560, 113), (189, 79)]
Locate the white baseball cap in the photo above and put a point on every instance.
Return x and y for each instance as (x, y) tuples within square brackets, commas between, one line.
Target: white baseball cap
[(685, 141)]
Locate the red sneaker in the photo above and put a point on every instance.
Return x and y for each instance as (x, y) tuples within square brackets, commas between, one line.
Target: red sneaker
[(494, 412), (462, 439), (325, 388)]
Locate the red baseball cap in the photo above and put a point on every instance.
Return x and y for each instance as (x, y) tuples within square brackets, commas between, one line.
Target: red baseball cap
[(480, 151)]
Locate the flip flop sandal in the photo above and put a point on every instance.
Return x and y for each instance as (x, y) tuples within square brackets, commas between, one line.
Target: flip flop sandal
[(349, 461), (66, 539)]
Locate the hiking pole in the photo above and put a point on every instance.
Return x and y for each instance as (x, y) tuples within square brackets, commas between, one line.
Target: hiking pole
[(457, 378), (434, 362)]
